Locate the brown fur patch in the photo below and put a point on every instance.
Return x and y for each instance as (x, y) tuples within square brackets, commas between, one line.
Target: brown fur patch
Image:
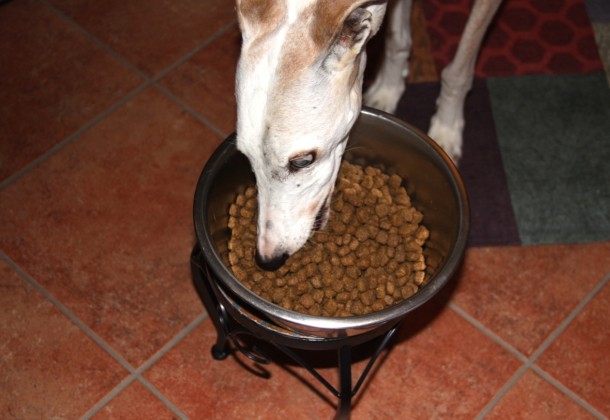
[(328, 18), (260, 15), (322, 23), (299, 52)]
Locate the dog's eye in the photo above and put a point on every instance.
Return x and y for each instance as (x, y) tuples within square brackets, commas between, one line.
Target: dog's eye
[(301, 161)]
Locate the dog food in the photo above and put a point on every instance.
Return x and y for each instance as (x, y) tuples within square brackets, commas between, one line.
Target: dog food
[(370, 255)]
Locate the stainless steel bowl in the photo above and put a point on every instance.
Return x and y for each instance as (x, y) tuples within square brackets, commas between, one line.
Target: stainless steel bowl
[(377, 138)]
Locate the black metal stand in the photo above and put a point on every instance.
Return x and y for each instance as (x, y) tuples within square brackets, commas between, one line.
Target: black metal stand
[(231, 323)]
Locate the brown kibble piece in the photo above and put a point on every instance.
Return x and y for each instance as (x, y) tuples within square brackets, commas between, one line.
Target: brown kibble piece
[(370, 255)]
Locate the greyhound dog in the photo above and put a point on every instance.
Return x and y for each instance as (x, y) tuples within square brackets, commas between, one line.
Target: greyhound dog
[(299, 92)]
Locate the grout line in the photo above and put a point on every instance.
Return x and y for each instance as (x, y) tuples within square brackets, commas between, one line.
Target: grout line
[(118, 57), (490, 334), (47, 295), (498, 340), (121, 59), (155, 80), (171, 343), (70, 138), (152, 360), (568, 392), (136, 375), (109, 396), (162, 397), (64, 310), (575, 312), (191, 111), (529, 364), (147, 81), (219, 33), (502, 392)]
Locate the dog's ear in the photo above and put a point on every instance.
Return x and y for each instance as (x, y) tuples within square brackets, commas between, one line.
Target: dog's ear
[(351, 35), (351, 39)]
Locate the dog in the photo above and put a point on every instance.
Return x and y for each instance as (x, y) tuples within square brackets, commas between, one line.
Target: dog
[(299, 92)]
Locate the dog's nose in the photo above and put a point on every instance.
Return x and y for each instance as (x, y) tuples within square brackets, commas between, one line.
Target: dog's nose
[(272, 263)]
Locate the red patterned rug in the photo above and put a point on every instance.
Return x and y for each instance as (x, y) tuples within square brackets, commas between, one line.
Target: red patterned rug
[(526, 37)]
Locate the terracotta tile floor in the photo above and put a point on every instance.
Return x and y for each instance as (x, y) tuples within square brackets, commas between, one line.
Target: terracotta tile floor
[(109, 111)]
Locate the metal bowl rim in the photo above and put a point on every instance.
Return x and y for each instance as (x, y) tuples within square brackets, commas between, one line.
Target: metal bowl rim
[(368, 321)]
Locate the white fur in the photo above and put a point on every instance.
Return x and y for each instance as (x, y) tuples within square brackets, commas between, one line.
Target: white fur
[(295, 97), (389, 84), (447, 124)]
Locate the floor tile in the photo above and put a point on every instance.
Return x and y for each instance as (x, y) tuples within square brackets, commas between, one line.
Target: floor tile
[(555, 154), (579, 357), (49, 368), (106, 225), (151, 34), (524, 293), (534, 398), (53, 81), (135, 402), (440, 367), (206, 82), (202, 387)]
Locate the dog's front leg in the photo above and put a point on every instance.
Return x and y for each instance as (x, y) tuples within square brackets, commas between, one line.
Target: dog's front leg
[(389, 83), (447, 124)]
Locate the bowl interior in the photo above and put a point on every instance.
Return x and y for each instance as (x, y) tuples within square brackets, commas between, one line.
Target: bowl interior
[(377, 139)]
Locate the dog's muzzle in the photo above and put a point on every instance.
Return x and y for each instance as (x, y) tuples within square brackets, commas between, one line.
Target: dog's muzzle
[(273, 263)]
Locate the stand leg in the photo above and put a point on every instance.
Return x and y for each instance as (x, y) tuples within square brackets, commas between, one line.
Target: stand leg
[(213, 307), (345, 386)]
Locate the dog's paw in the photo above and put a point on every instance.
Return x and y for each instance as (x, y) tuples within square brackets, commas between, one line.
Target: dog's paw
[(449, 137), (384, 96)]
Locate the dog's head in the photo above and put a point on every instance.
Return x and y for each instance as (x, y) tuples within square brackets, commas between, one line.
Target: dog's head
[(299, 89)]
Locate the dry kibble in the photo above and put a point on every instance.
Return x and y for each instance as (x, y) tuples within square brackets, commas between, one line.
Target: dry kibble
[(344, 250), (361, 285), (363, 214), (233, 210), (362, 233), (378, 305), (394, 182), (390, 288), (382, 237), (367, 298), (307, 301), (382, 210), (370, 200), (318, 296), (369, 257), (278, 295), (408, 290), (419, 277), (418, 266), (330, 306)]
